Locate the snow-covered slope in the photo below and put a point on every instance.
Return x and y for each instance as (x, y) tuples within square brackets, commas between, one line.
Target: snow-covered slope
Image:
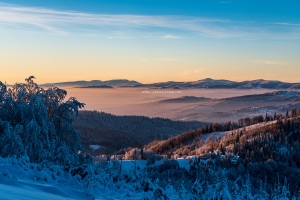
[(20, 179), (222, 134)]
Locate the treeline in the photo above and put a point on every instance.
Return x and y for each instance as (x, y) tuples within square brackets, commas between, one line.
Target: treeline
[(193, 138)]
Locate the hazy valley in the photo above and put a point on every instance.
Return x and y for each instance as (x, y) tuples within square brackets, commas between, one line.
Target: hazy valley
[(205, 100)]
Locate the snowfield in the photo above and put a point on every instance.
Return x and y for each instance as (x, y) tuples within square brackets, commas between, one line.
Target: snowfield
[(19, 181)]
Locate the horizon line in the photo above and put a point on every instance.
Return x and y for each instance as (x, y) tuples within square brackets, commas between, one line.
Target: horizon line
[(124, 79)]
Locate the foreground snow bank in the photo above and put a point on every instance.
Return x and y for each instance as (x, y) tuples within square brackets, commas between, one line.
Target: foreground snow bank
[(20, 179)]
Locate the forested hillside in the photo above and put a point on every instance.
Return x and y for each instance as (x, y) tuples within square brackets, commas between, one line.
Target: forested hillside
[(265, 155), (113, 132), (197, 136)]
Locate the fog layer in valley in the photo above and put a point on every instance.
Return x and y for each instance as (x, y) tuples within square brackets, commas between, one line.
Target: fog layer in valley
[(219, 105)]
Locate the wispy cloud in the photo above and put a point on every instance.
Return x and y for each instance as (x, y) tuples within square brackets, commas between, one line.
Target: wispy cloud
[(64, 22), (286, 24), (57, 21), (267, 62), (169, 36)]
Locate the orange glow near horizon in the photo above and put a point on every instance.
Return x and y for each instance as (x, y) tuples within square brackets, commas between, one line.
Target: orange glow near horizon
[(137, 47)]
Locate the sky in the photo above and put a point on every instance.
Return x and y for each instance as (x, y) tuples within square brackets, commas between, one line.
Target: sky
[(149, 40)]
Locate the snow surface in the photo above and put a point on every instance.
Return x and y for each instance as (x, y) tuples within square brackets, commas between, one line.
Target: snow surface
[(94, 146), (23, 189), (18, 182), (128, 165)]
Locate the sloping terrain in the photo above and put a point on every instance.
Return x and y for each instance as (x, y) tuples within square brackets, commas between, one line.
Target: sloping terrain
[(112, 132), (199, 141)]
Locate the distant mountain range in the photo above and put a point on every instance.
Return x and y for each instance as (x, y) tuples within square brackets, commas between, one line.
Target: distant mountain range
[(93, 86), (95, 83), (225, 84), (204, 83)]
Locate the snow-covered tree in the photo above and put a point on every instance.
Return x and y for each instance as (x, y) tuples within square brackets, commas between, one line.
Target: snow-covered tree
[(10, 140), (37, 122)]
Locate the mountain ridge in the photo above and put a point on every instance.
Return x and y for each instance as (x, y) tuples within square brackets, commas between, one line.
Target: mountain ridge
[(83, 83), (207, 83)]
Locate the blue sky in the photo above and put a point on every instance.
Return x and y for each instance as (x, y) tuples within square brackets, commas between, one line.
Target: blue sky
[(232, 9), (240, 9), (149, 41)]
